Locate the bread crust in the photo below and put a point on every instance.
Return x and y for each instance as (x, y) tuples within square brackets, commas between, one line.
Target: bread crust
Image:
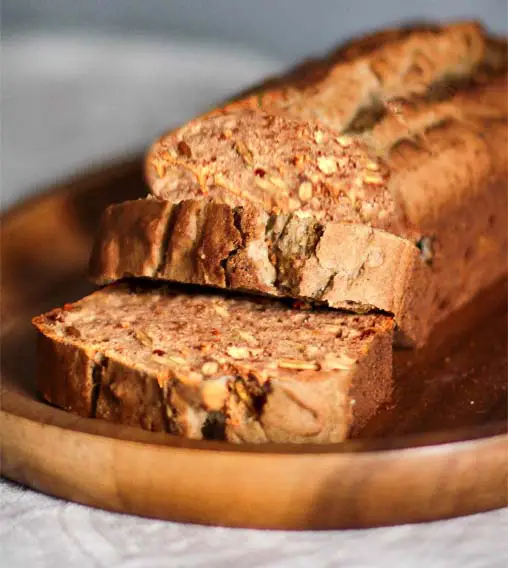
[(366, 80)]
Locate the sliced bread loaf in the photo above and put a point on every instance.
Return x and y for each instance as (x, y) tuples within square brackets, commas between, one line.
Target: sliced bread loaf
[(446, 196), (434, 173), (342, 265), (205, 366)]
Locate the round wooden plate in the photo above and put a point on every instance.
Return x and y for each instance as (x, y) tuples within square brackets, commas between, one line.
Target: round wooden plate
[(440, 451)]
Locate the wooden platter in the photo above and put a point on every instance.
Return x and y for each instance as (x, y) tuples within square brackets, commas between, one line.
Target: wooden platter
[(440, 451)]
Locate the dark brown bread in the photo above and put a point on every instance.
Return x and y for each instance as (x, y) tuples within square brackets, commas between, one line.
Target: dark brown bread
[(205, 366), (404, 131), (342, 265), (394, 142)]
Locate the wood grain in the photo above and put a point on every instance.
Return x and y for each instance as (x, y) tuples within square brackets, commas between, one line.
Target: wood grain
[(440, 451)]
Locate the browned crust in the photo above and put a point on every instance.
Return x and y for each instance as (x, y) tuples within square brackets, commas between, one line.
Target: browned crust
[(358, 82), (301, 407), (368, 393), (130, 396), (88, 383), (342, 265), (66, 378), (135, 253)]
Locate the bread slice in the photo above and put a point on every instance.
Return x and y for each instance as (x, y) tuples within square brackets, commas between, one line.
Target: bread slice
[(341, 265), (204, 366)]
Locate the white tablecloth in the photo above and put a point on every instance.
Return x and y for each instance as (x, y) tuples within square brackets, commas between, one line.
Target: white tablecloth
[(68, 102), (42, 531)]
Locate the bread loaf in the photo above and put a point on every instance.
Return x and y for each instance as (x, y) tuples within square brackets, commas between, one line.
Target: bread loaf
[(205, 366), (374, 179), (405, 131)]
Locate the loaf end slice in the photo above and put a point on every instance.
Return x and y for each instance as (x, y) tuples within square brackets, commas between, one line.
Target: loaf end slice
[(208, 367)]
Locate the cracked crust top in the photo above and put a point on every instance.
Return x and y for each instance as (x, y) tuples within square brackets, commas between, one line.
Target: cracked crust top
[(362, 82)]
